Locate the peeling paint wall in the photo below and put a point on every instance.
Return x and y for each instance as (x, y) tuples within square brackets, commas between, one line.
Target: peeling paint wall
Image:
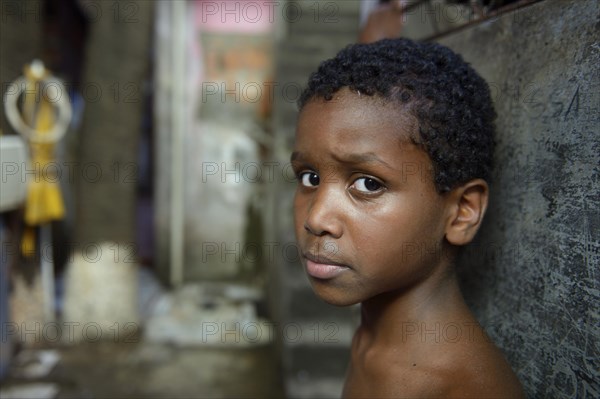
[(532, 277)]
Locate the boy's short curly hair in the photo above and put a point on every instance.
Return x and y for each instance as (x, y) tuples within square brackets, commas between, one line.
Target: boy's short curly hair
[(450, 101)]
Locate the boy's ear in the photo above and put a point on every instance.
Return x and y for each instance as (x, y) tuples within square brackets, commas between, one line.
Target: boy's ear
[(467, 206)]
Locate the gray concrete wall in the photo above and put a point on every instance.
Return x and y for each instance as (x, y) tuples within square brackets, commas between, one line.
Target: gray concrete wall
[(532, 276)]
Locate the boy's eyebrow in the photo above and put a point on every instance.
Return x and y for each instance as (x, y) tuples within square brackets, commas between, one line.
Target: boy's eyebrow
[(367, 157)]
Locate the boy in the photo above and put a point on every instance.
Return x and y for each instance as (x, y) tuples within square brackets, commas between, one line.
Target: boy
[(393, 150)]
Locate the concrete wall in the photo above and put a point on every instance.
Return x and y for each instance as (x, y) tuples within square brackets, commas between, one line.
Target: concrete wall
[(532, 277)]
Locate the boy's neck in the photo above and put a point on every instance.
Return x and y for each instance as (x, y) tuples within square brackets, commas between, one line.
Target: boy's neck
[(385, 318)]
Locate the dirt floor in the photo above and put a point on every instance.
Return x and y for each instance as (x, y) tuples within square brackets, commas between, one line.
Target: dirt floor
[(143, 370)]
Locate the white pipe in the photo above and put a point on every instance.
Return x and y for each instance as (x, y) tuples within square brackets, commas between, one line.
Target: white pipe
[(47, 271)]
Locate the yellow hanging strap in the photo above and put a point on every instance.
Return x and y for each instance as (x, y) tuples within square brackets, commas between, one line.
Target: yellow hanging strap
[(44, 201)]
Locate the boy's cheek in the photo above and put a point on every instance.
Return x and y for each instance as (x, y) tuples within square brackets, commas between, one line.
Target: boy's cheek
[(299, 213)]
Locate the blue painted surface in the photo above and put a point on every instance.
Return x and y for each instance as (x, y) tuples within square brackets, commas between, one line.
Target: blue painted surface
[(5, 340)]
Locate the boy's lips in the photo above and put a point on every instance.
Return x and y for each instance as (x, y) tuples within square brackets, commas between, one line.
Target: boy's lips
[(322, 267)]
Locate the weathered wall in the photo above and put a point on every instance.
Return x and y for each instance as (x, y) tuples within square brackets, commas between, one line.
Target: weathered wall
[(116, 62), (532, 277)]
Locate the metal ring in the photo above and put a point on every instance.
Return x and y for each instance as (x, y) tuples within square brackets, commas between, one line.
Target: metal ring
[(15, 89)]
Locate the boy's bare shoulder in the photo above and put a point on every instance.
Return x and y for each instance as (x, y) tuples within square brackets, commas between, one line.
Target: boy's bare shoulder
[(448, 370), (475, 370)]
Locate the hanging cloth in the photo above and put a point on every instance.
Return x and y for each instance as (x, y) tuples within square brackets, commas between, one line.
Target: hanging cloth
[(44, 201)]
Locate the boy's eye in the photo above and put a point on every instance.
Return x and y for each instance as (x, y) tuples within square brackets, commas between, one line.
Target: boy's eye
[(366, 185), (309, 179)]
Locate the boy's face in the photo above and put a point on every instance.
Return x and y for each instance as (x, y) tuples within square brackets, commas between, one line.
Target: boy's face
[(368, 219)]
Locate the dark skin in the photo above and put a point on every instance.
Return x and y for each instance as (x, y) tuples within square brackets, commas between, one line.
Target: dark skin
[(373, 229)]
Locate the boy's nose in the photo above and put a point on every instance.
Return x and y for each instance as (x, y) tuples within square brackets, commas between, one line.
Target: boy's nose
[(323, 214)]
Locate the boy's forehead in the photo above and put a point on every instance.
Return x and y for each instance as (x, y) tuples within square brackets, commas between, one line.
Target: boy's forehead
[(369, 114)]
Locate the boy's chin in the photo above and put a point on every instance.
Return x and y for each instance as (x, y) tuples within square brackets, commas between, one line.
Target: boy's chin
[(335, 296)]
